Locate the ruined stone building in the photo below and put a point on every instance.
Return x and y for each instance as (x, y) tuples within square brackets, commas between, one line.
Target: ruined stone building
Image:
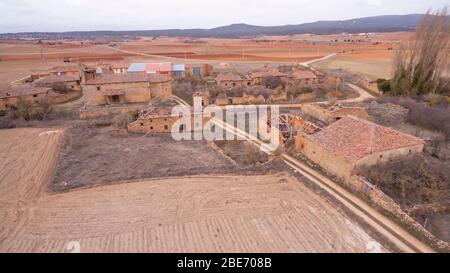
[(352, 142), (230, 80), (107, 89), (331, 113)]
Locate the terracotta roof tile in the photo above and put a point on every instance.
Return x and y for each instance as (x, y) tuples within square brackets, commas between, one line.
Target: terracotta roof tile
[(353, 139)]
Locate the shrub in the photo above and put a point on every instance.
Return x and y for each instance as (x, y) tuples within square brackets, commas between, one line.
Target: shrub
[(23, 110), (272, 82), (422, 115), (122, 120), (252, 154), (266, 93), (384, 85), (409, 182), (236, 92)]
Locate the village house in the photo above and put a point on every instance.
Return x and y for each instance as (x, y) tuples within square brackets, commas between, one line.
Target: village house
[(161, 120), (303, 78), (352, 142), (164, 69), (199, 70), (69, 71), (258, 77), (106, 89), (230, 80), (331, 113), (33, 95)]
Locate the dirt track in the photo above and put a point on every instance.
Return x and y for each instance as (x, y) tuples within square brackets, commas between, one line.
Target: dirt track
[(272, 213)]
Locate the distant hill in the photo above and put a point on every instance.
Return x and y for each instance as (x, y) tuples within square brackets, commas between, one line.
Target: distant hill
[(387, 23)]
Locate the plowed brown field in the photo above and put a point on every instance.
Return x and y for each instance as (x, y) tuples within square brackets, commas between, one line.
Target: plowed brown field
[(272, 213)]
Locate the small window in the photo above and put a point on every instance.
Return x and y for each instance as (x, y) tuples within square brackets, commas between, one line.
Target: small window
[(99, 88), (142, 124), (166, 127), (34, 96), (381, 156), (151, 128)]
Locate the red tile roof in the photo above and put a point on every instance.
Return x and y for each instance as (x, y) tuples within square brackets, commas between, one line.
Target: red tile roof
[(301, 75), (353, 139), (229, 77), (23, 91), (127, 78)]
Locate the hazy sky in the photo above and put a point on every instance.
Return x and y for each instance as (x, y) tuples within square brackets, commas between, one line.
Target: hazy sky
[(66, 15)]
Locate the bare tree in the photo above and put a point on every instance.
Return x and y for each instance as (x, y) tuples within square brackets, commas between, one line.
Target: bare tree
[(419, 62)]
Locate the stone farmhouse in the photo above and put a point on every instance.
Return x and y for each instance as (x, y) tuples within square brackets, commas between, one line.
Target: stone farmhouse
[(258, 77), (69, 71), (230, 80), (199, 70), (352, 142), (107, 89), (329, 114), (11, 98)]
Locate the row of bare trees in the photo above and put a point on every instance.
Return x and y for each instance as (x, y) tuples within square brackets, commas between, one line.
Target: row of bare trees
[(420, 62)]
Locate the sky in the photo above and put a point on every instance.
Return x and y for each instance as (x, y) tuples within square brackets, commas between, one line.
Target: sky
[(85, 15)]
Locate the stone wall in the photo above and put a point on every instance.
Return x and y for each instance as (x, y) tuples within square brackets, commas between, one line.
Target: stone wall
[(379, 198)]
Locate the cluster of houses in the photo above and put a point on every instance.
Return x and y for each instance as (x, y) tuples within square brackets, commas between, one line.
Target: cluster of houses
[(231, 80), (105, 83)]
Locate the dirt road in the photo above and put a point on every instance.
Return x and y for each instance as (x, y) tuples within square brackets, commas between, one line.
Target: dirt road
[(271, 213)]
